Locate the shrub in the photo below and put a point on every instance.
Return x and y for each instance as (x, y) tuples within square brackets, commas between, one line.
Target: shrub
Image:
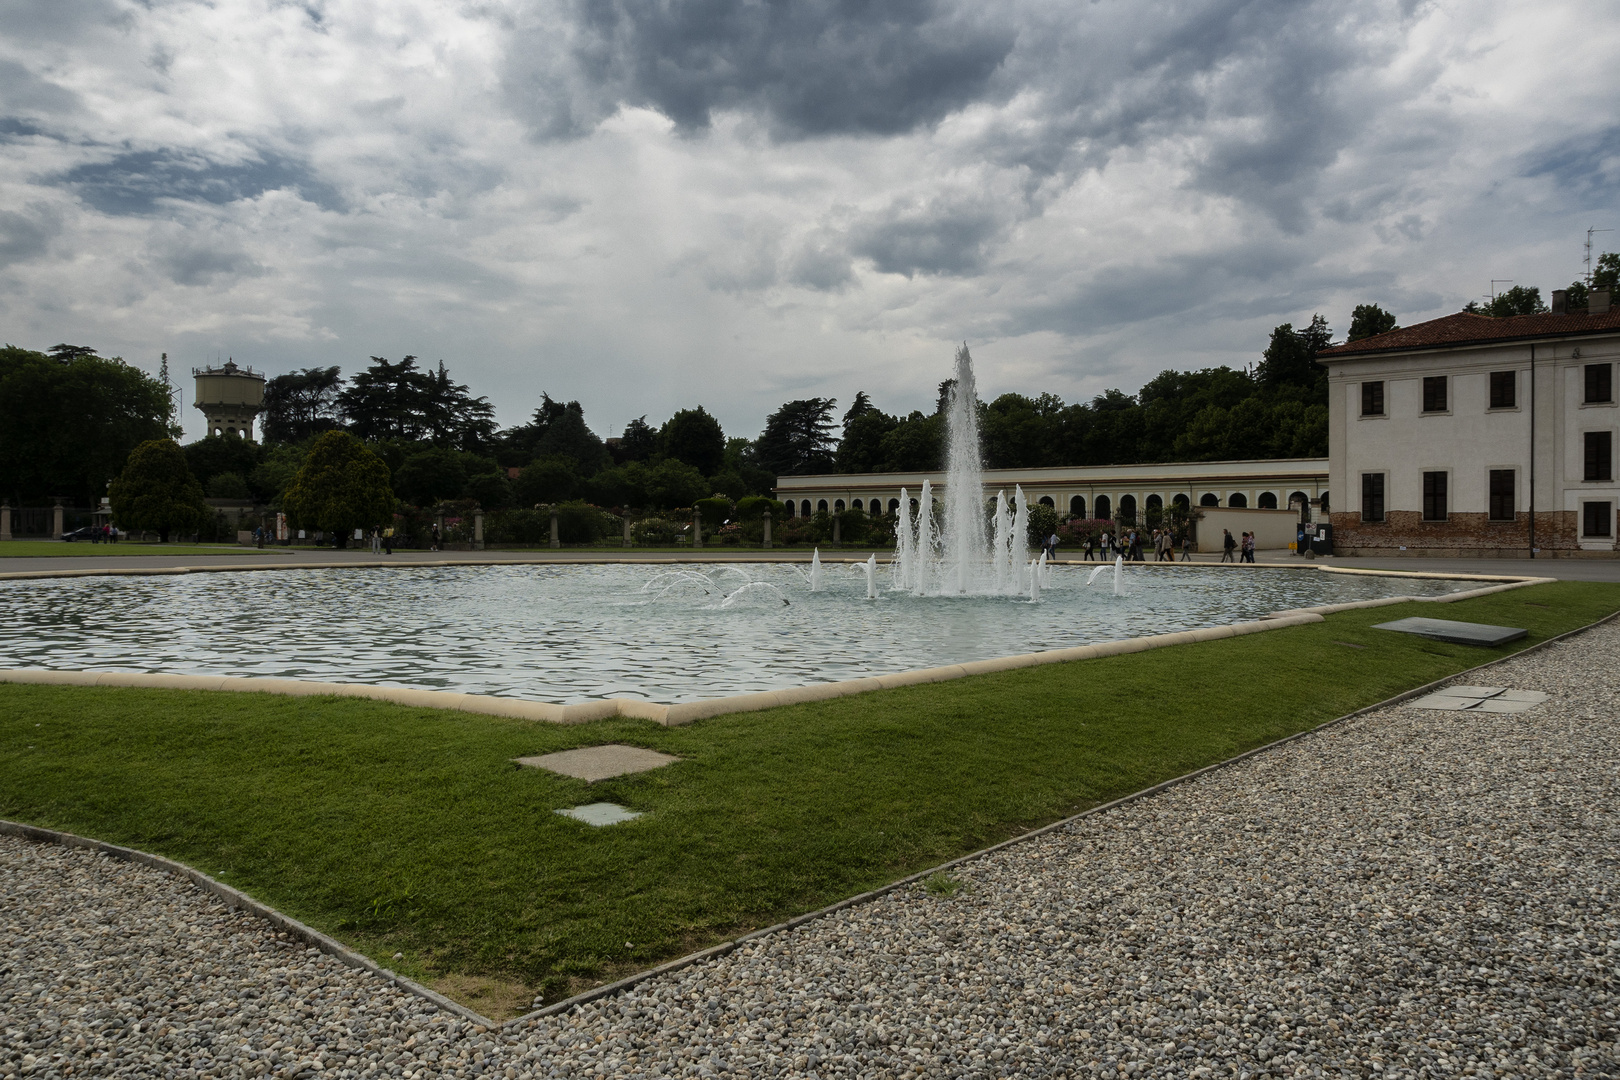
[(343, 486), (654, 532), (579, 523), (156, 491), (715, 510), (1043, 521)]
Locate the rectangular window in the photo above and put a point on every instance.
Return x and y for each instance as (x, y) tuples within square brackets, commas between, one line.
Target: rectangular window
[(1502, 495), (1597, 519), (1504, 389), (1372, 398), (1599, 454), (1434, 496), (1434, 393), (1372, 496), (1599, 384)]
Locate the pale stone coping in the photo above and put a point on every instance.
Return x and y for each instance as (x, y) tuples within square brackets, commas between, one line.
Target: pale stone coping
[(1504, 586)]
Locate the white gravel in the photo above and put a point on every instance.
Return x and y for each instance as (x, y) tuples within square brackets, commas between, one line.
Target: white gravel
[(1413, 893)]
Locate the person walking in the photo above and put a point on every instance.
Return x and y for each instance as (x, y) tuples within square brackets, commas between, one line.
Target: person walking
[(388, 540), (1051, 545), (433, 543), (1228, 545), (1248, 547), (376, 540), (1091, 547), (1186, 545)]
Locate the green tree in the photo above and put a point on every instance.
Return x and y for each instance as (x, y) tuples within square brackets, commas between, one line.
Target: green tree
[(1519, 300), (436, 473), (68, 425), (157, 493), (916, 444), (639, 441), (1606, 272), (401, 401), (215, 454), (342, 486), (798, 439), (1290, 358), (1368, 320), (568, 436), (301, 404), (228, 485), (549, 480), (695, 437)]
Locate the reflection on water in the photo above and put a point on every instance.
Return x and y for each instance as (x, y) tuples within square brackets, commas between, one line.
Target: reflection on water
[(571, 633)]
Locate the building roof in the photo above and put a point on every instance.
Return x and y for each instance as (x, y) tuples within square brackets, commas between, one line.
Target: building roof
[(1466, 328)]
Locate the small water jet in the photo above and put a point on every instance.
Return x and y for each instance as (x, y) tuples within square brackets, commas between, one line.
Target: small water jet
[(815, 570)]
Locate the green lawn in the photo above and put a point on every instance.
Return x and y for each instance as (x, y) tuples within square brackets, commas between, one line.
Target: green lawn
[(58, 548), (410, 830)]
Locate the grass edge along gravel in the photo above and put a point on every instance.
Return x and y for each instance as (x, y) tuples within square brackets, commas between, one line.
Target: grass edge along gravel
[(405, 830)]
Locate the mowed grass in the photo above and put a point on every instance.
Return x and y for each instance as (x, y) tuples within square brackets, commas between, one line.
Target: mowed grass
[(411, 830), (13, 549)]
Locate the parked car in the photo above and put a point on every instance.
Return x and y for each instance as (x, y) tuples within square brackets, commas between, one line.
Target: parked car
[(89, 532)]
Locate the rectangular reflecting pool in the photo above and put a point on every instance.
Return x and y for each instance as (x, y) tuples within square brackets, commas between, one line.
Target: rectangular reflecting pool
[(572, 633)]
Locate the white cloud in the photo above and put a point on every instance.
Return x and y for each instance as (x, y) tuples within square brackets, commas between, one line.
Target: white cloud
[(646, 216)]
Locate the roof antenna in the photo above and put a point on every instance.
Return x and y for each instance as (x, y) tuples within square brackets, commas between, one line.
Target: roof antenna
[(1589, 233), (1495, 281)]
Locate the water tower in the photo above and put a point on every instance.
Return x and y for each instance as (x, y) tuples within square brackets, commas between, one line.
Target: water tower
[(230, 397)]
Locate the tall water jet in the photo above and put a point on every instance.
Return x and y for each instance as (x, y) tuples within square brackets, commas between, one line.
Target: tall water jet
[(815, 570), (1018, 543), (1001, 546), (964, 541), (905, 547), (871, 576), (1034, 581), (925, 539), (1119, 575)]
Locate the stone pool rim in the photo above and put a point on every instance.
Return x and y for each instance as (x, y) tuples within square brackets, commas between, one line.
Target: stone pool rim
[(682, 713)]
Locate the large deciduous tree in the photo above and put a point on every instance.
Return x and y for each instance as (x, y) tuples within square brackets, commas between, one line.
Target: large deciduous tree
[(157, 493), (695, 437), (69, 422), (401, 401), (1368, 320), (342, 486)]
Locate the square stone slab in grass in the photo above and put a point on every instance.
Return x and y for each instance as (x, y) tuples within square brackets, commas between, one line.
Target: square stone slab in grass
[(1457, 633), (1489, 699), (600, 813), (593, 763)]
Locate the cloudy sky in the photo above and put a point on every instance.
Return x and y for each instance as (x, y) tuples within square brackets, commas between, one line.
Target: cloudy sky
[(647, 206)]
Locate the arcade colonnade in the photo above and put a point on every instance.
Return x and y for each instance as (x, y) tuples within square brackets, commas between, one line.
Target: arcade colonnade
[(1112, 492)]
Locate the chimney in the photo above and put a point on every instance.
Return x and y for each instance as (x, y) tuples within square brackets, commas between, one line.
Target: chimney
[(1597, 301), (1560, 303)]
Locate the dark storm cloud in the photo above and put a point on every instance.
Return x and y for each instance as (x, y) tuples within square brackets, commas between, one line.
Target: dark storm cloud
[(810, 67), (136, 183), (1588, 167), (27, 233), (947, 237)]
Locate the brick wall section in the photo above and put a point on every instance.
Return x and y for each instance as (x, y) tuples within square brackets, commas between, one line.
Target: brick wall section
[(1460, 535)]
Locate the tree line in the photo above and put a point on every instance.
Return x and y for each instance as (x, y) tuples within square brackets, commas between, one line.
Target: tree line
[(70, 420)]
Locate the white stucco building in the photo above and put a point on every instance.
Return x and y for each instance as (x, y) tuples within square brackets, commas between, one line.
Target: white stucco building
[(1473, 435)]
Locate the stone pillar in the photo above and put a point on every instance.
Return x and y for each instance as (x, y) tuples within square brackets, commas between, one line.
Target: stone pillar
[(56, 520), (555, 541), (627, 529), (767, 527), (5, 521), (478, 529), (837, 528), (697, 529)]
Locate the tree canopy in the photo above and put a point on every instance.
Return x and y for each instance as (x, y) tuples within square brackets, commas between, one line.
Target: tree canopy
[(342, 486), (1519, 300), (69, 421), (695, 437), (798, 438), (301, 404), (1368, 320), (401, 401), (156, 491)]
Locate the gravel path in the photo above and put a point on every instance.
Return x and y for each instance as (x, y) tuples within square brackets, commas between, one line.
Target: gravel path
[(1410, 894)]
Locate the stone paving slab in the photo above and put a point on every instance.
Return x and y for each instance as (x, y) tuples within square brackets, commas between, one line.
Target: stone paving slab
[(600, 814), (1457, 633), (593, 763)]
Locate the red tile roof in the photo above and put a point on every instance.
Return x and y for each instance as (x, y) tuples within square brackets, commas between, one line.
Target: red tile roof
[(1465, 328)]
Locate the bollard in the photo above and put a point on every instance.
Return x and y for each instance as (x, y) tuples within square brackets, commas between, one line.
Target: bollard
[(5, 521), (697, 529), (555, 542), (627, 529), (837, 521), (767, 527), (478, 530), (56, 521)]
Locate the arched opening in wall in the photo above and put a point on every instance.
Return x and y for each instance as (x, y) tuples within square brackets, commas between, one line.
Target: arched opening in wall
[(1077, 506), (1237, 499), (915, 506), (838, 506), (792, 508), (821, 506), (1181, 501), (856, 505), (219, 431), (804, 508), (1324, 502), (1209, 498), (1105, 508), (1046, 500), (1127, 509), (1268, 500), (1300, 502), (894, 506), (1154, 502)]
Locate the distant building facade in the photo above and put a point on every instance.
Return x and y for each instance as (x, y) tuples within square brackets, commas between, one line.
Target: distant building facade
[(1283, 488), (1469, 435), (231, 397)]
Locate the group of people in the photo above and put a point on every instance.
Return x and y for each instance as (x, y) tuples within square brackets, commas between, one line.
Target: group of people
[(1130, 542), (1243, 548)]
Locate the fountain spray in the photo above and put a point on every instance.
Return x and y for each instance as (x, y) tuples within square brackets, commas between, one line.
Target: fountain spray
[(815, 570), (964, 539)]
